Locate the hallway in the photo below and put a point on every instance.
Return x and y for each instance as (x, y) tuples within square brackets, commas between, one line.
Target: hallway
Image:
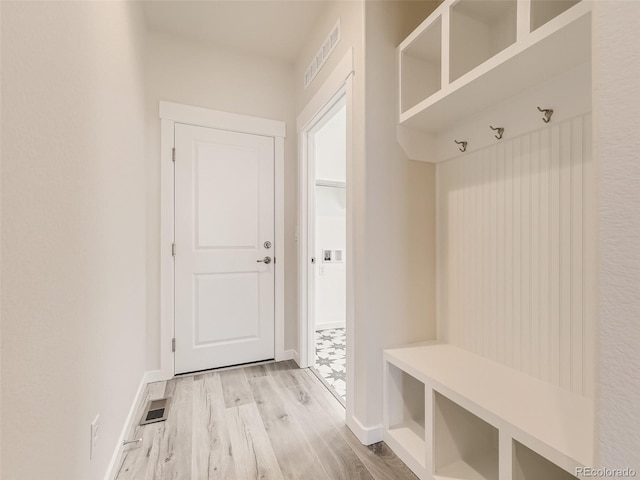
[(269, 421)]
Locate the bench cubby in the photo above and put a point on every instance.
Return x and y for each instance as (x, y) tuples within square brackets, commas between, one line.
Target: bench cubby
[(481, 420)]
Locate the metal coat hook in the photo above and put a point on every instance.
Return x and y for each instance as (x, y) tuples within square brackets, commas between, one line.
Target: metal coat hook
[(463, 148), (547, 114), (500, 131)]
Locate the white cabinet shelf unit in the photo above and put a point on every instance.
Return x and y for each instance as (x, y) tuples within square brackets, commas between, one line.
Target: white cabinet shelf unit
[(528, 465), (406, 418), (466, 446), (482, 420), (488, 52)]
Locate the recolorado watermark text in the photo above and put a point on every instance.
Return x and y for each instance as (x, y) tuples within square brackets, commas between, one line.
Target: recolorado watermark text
[(588, 472)]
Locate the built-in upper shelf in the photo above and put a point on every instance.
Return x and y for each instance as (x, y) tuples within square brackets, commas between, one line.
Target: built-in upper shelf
[(470, 54)]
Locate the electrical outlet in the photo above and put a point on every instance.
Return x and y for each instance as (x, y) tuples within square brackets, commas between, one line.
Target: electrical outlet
[(321, 270), (93, 444)]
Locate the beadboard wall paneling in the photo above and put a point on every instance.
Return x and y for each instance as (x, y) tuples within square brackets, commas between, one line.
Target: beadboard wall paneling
[(516, 253)]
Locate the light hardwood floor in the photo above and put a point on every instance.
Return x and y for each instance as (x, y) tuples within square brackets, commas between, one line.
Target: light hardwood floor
[(264, 422)]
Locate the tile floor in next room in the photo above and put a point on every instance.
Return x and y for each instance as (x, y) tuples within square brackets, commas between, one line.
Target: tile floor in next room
[(269, 421), (331, 359)]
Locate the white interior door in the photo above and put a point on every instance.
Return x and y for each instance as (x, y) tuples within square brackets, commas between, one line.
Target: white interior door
[(224, 235)]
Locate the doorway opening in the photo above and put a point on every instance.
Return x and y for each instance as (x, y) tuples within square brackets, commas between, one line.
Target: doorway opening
[(327, 237)]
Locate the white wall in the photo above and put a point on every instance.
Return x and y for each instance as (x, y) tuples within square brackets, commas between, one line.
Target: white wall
[(0, 246), (351, 32), (73, 245), (616, 101), (397, 305), (330, 148), (351, 15), (204, 75), (330, 277), (330, 144), (393, 199)]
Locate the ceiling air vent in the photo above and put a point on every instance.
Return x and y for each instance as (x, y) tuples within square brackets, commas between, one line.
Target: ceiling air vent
[(323, 54)]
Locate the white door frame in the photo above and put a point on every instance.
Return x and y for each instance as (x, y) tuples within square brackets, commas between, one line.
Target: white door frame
[(170, 114), (338, 84)]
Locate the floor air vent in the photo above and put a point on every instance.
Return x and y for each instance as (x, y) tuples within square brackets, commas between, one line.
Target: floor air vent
[(156, 411)]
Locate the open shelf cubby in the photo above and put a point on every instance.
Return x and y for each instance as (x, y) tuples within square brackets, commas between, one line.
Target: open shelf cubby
[(406, 412), (466, 447), (479, 30), (528, 465), (421, 66), (542, 11)]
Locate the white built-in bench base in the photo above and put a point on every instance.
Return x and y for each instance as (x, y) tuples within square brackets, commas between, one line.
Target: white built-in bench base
[(451, 414)]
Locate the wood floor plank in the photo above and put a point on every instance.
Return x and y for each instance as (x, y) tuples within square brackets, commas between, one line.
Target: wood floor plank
[(235, 388), (175, 455), (287, 426), (252, 449), (336, 457), (295, 456), (284, 373), (256, 371), (212, 452), (378, 458), (151, 470), (323, 396), (135, 457)]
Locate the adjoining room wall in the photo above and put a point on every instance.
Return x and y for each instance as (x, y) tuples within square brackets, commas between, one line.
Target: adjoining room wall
[(204, 75), (616, 102), (73, 238), (330, 144), (330, 276)]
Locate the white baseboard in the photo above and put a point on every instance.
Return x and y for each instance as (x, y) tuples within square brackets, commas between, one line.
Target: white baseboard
[(296, 357), (287, 355), (330, 325), (283, 355), (366, 435), (156, 376), (112, 469)]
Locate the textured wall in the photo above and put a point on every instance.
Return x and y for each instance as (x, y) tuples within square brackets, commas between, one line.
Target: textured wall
[(73, 242), (516, 243), (617, 116)]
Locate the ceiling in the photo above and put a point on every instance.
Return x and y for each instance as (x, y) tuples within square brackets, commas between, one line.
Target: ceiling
[(274, 28)]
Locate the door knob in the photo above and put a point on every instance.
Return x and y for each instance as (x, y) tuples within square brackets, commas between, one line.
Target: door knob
[(266, 260)]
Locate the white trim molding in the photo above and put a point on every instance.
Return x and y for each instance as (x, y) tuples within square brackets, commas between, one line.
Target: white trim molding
[(233, 122), (170, 115), (116, 458), (279, 250), (366, 435), (289, 355)]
